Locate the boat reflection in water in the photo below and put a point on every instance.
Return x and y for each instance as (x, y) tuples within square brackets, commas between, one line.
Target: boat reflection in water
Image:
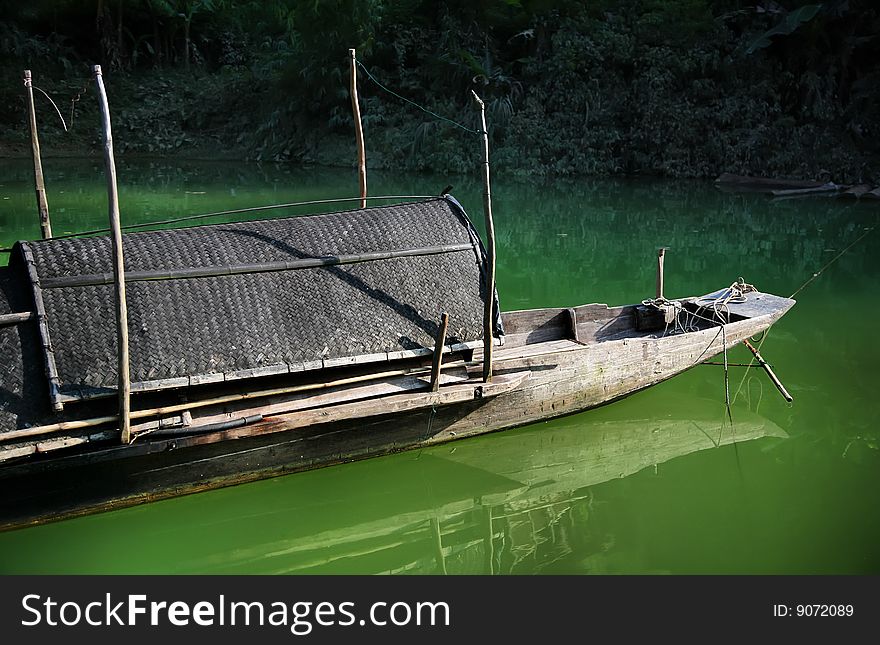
[(520, 501)]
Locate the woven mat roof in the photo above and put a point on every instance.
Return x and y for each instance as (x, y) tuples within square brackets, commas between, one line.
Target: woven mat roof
[(202, 329), (22, 375)]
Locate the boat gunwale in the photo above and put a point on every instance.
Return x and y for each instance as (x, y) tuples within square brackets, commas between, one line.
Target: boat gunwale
[(510, 353)]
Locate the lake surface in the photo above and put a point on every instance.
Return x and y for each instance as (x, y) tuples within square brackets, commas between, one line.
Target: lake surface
[(656, 483)]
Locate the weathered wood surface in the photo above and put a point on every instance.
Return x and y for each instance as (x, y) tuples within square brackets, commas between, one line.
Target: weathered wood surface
[(756, 304), (371, 406), (273, 401), (374, 360), (569, 379), (439, 343), (595, 322), (385, 397), (363, 399)]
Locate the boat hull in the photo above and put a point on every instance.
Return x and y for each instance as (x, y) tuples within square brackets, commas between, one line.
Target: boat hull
[(565, 378)]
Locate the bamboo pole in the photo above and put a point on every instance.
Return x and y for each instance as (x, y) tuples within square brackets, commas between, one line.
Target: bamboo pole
[(43, 328), (488, 317), (236, 211), (93, 279), (438, 351), (661, 253), (16, 318), (80, 424), (769, 370), (358, 130), (39, 184), (124, 386)]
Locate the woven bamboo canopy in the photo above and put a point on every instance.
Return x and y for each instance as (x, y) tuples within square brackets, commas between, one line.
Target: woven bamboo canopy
[(231, 301)]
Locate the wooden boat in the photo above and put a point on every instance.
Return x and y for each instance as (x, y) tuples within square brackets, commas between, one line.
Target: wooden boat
[(263, 348)]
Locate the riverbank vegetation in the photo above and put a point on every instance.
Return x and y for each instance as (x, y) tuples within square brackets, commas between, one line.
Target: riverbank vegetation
[(679, 88)]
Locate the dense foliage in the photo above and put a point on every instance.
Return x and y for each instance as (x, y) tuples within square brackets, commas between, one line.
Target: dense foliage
[(673, 87)]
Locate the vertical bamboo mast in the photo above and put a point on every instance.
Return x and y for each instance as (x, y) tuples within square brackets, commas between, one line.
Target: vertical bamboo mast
[(358, 130), (661, 254), (488, 314), (118, 265), (39, 185)]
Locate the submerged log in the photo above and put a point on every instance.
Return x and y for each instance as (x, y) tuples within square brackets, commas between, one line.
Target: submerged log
[(830, 187), (763, 184), (856, 191)]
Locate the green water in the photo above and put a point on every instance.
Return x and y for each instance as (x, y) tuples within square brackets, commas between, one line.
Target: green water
[(648, 484)]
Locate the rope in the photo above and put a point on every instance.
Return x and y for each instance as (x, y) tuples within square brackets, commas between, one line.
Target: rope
[(832, 261), (431, 419), (236, 211), (749, 393), (796, 292), (735, 293), (53, 105), (75, 100), (414, 104)]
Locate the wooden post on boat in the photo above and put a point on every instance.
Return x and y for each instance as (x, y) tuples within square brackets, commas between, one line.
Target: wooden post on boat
[(488, 314), (358, 130), (661, 253), (439, 342), (39, 185), (124, 386)]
